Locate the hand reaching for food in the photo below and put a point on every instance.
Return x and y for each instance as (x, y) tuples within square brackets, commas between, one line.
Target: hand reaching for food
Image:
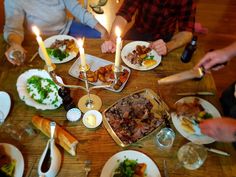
[(108, 47), (159, 46)]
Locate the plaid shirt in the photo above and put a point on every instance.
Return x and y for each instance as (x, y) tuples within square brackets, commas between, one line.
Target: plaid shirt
[(159, 18)]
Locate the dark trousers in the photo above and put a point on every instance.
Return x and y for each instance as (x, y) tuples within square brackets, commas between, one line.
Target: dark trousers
[(228, 103)]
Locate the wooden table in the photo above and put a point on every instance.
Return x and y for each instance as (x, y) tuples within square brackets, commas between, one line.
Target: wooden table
[(97, 145)]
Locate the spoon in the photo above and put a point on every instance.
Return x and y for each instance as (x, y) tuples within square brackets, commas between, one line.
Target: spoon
[(50, 161)]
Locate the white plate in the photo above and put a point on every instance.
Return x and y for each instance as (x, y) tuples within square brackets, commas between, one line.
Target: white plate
[(110, 166), (95, 63), (198, 139), (15, 154), (5, 104), (48, 42), (132, 46), (24, 95)]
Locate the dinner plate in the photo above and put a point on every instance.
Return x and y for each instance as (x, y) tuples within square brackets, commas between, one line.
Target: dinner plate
[(195, 138), (95, 63), (25, 96), (5, 104), (110, 166), (48, 42), (15, 154), (128, 48)]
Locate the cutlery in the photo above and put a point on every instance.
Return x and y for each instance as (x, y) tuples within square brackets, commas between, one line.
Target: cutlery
[(87, 167), (196, 93), (195, 73), (218, 151), (33, 57), (165, 169)]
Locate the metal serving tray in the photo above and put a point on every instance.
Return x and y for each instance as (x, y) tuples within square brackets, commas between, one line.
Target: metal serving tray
[(159, 109)]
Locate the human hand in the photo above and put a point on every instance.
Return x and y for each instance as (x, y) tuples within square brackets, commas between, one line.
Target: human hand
[(159, 46), (211, 59), (108, 47), (221, 129), (18, 60)]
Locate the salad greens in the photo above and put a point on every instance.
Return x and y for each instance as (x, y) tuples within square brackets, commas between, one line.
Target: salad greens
[(42, 90), (126, 168), (57, 53)]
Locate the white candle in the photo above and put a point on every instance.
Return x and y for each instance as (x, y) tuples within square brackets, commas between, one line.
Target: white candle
[(42, 46), (82, 54), (118, 47)]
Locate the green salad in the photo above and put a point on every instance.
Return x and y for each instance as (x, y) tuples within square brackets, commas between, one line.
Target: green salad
[(57, 53), (43, 90), (126, 168)]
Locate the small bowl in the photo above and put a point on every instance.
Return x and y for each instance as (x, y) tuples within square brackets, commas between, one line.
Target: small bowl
[(92, 119), (73, 114)]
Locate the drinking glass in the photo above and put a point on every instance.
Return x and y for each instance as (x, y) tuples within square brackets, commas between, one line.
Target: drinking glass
[(192, 156), (19, 131), (165, 138)]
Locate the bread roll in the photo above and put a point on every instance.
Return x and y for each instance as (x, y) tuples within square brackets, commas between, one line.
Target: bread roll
[(62, 137)]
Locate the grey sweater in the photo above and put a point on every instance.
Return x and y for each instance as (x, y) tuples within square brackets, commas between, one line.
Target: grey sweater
[(48, 15)]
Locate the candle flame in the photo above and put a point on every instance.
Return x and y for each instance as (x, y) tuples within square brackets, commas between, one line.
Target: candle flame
[(118, 31), (36, 30)]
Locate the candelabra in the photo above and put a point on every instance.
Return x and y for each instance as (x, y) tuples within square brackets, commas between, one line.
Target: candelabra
[(86, 102)]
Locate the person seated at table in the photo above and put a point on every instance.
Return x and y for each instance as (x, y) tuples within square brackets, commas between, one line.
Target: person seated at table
[(51, 17), (221, 129), (155, 21)]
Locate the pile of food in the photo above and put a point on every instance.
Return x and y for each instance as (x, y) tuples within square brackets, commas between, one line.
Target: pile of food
[(130, 168), (132, 118), (43, 90), (191, 114), (141, 56), (105, 74), (61, 49), (7, 165)]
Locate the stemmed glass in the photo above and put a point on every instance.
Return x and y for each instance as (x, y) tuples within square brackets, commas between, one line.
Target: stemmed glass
[(191, 156)]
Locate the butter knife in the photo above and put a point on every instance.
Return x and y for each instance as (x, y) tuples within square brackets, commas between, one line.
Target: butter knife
[(196, 93), (165, 169), (218, 151)]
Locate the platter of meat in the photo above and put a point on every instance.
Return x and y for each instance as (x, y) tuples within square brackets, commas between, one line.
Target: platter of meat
[(60, 48), (190, 111), (101, 73), (137, 55), (135, 116)]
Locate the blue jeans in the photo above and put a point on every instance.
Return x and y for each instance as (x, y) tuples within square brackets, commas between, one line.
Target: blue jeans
[(80, 30)]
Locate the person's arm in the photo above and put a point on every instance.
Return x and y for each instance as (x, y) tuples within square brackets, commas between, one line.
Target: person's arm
[(221, 129), (178, 40), (102, 30), (217, 57), (13, 29)]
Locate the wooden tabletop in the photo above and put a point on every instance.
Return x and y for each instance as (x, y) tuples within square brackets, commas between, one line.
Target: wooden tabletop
[(97, 145)]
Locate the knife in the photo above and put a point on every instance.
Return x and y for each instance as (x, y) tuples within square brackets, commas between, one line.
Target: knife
[(218, 151), (195, 73), (165, 169), (196, 93)]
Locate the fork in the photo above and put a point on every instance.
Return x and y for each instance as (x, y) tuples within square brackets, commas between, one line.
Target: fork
[(87, 167)]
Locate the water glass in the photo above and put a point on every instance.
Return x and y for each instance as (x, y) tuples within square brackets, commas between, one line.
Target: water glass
[(192, 156), (19, 131), (165, 138)]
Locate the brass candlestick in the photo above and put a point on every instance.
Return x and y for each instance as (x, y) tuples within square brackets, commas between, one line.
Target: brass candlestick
[(89, 101)]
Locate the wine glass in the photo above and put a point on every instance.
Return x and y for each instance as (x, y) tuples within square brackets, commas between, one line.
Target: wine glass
[(165, 138), (191, 156)]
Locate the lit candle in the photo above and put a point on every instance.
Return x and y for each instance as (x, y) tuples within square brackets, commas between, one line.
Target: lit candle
[(81, 51), (42, 47), (118, 47)]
